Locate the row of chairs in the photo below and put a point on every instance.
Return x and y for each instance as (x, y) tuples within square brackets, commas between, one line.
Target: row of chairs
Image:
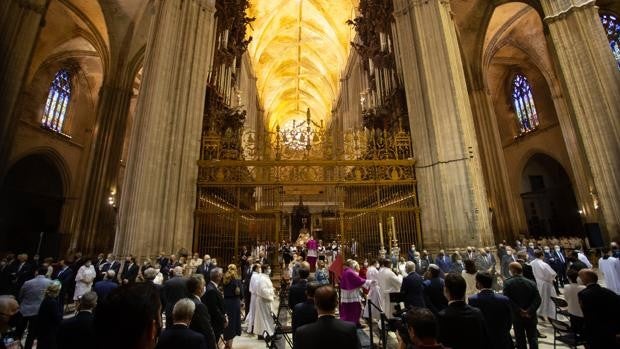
[(563, 332)]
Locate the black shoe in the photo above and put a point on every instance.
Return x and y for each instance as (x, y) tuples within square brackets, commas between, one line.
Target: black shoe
[(540, 335)]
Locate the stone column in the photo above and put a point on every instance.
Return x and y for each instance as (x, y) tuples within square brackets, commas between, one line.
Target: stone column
[(94, 227), (592, 84), (159, 191), (507, 214), (20, 24), (451, 190)]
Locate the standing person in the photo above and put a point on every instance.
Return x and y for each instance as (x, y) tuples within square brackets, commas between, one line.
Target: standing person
[(582, 257), (265, 295), (312, 256), (49, 317), (571, 291), (201, 320), (411, 253), (84, 279), (461, 326), (545, 276), (173, 290), (130, 270), (250, 307), (525, 301), (350, 293), (434, 297), (610, 267), (297, 292), (508, 258), (389, 282), (412, 287), (214, 300), (305, 313), (30, 298), (600, 312), (327, 331), (66, 277), (77, 330), (322, 274), (179, 334), (443, 262), (232, 303), (422, 329), (105, 286), (559, 266), (496, 310), (469, 274)]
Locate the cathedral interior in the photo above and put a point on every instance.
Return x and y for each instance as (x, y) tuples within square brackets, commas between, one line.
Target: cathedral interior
[(140, 126)]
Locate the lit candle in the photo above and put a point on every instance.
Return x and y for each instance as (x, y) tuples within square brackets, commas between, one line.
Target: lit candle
[(381, 233)]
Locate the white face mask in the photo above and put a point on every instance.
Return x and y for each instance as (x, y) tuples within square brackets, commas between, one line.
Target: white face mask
[(546, 250), (579, 282), (557, 249), (509, 252)]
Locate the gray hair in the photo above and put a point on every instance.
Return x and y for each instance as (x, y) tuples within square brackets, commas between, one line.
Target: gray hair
[(409, 267), (110, 274), (183, 310), (88, 301), (216, 272), (178, 271), (53, 289), (150, 273)]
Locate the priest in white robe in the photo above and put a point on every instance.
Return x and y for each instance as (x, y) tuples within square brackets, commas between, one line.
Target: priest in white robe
[(251, 308), (389, 282), (544, 275), (610, 267), (265, 295)]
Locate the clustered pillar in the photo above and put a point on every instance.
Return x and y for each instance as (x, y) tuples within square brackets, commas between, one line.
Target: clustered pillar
[(159, 192), (453, 201), (592, 83)]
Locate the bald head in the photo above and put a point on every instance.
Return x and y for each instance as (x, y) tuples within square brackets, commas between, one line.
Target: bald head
[(515, 268), (588, 276), (8, 308)]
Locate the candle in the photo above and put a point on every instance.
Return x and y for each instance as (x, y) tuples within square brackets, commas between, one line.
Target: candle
[(381, 233), (393, 228), (383, 41)]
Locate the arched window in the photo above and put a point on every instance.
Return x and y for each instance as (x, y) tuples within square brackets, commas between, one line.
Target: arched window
[(523, 102), (57, 101), (612, 29)]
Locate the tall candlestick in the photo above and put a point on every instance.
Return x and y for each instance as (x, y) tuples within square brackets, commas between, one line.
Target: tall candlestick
[(392, 221), (381, 232)]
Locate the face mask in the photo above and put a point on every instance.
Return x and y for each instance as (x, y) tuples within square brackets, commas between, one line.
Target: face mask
[(366, 264), (214, 264), (268, 272), (557, 249), (509, 252), (547, 250), (579, 282)]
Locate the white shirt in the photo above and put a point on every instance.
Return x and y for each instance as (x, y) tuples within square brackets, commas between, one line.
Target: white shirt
[(570, 295), (582, 257)]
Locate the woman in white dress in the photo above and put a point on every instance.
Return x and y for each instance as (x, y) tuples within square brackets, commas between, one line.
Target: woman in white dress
[(84, 279)]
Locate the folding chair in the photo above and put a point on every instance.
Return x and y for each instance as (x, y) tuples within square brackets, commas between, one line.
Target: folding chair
[(563, 333)]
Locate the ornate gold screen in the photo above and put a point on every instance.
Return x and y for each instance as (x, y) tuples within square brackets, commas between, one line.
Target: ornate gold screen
[(243, 197)]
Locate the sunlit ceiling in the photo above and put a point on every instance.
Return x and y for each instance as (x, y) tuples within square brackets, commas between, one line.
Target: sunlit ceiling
[(298, 51)]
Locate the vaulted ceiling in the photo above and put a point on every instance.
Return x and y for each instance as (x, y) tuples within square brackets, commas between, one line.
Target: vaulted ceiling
[(298, 50)]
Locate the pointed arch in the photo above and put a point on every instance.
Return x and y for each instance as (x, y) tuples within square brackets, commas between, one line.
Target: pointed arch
[(523, 103)]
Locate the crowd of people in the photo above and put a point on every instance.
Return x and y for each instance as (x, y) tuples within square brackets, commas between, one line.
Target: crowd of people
[(470, 298)]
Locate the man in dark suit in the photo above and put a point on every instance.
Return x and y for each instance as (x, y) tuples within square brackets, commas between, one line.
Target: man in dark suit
[(105, 286), (434, 298), (576, 264), (525, 300), (443, 262), (305, 313), (526, 268), (205, 268), (77, 331), (560, 265), (297, 292), (110, 264), (179, 335), (173, 290), (412, 287), (496, 310), (98, 264), (130, 271), (66, 277), (508, 258), (461, 326), (214, 300), (201, 320), (600, 312), (327, 331)]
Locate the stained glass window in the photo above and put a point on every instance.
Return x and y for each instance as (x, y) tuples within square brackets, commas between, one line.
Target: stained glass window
[(523, 102), (57, 101), (612, 29)]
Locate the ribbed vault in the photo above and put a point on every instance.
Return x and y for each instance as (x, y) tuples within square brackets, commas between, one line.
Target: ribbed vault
[(298, 50)]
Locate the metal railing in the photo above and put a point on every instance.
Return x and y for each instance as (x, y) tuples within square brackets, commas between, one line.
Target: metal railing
[(383, 320)]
